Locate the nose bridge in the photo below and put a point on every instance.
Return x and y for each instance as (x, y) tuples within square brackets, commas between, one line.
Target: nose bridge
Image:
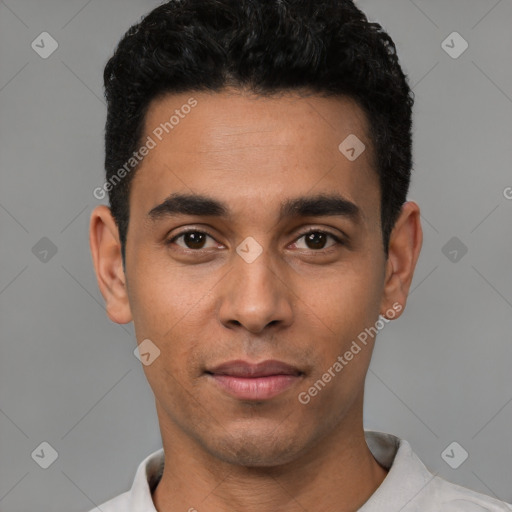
[(256, 275), (254, 294)]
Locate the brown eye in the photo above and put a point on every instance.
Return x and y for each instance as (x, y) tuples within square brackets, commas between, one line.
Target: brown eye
[(194, 240), (316, 240)]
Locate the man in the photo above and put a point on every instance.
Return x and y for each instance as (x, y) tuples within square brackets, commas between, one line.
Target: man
[(258, 158)]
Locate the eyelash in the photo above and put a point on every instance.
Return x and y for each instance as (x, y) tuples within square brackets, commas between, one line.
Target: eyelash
[(337, 239)]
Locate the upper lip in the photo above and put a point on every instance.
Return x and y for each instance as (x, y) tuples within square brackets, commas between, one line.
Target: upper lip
[(241, 368)]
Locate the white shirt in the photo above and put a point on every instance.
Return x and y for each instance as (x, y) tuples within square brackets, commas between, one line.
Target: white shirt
[(408, 487)]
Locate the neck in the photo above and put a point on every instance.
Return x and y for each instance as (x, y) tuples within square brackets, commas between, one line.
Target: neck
[(338, 474)]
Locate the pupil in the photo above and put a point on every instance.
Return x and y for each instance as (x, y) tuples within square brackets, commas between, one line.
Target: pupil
[(195, 240), (311, 238)]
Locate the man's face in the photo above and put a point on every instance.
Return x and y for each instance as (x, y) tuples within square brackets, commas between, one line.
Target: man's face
[(210, 297)]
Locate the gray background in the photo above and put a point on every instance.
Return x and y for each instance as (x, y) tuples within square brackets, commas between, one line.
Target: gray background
[(68, 376)]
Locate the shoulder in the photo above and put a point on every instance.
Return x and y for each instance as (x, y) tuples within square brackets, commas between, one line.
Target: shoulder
[(118, 504), (412, 487), (445, 496), (138, 497)]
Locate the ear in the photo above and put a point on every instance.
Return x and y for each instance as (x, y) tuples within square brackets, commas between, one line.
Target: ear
[(108, 264), (405, 244)]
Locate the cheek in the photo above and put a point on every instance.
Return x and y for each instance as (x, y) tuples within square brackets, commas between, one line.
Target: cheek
[(342, 312), (345, 301), (166, 297), (168, 311)]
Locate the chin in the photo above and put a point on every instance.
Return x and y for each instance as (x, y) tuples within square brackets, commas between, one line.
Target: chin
[(257, 449)]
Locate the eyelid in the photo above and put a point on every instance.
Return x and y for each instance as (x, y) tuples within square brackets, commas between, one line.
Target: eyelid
[(171, 240), (339, 239), (326, 231)]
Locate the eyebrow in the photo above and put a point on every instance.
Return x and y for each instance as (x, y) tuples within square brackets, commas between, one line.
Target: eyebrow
[(319, 205)]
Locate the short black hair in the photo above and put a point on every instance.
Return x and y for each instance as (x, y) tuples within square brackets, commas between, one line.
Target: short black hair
[(269, 47)]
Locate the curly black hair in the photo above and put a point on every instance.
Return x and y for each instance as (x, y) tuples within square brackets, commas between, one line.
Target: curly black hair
[(327, 47)]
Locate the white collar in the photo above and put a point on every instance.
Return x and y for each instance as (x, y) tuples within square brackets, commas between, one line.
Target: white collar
[(408, 487)]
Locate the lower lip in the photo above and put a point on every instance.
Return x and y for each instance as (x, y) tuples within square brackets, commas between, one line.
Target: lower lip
[(255, 388)]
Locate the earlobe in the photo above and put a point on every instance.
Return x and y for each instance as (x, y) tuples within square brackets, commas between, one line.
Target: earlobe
[(108, 265), (405, 244)]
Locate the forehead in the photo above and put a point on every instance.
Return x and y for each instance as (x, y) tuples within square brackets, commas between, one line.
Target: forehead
[(245, 148), (233, 118)]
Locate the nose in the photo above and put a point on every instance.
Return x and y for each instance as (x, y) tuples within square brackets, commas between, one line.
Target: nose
[(256, 295)]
